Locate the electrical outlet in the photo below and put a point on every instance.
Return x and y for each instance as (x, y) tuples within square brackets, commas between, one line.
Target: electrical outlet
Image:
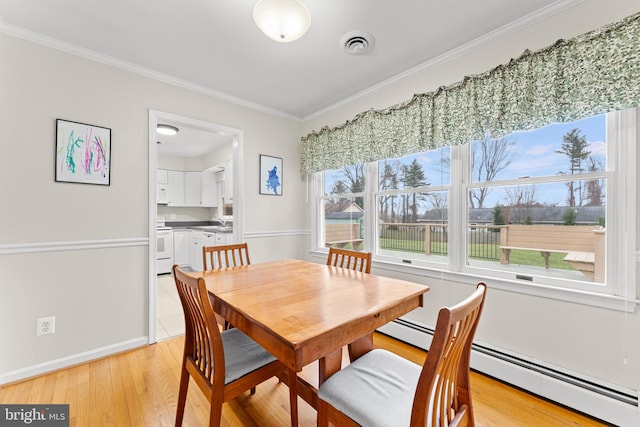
[(46, 325)]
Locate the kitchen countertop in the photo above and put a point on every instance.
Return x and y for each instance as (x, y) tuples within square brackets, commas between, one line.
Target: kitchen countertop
[(210, 226)]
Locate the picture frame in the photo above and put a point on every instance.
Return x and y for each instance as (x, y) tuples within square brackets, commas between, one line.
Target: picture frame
[(270, 175), (83, 153)]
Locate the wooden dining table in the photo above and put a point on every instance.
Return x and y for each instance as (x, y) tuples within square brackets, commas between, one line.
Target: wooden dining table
[(303, 312)]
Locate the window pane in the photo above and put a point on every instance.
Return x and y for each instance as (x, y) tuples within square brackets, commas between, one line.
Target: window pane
[(414, 225), (532, 230), (343, 223), (559, 149), (349, 179), (430, 168)]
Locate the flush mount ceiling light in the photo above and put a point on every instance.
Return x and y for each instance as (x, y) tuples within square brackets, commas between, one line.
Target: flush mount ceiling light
[(357, 42), (167, 130), (282, 20)]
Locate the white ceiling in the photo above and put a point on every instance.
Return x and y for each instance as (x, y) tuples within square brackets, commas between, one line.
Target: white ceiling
[(214, 46)]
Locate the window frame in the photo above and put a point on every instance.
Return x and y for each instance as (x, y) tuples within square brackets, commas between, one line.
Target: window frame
[(619, 291)]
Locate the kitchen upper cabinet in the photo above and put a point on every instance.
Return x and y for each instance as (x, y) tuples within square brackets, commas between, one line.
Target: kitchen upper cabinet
[(162, 190), (208, 190), (175, 188), (192, 194), (193, 189), (228, 181), (162, 176)]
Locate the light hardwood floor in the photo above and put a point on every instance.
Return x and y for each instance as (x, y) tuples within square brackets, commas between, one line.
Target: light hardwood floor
[(140, 387)]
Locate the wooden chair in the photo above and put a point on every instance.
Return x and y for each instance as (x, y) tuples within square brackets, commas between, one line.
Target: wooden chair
[(383, 389), (215, 257), (360, 261), (223, 364)]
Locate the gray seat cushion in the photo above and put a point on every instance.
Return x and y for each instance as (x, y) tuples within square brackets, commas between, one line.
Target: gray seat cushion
[(242, 355), (377, 390)]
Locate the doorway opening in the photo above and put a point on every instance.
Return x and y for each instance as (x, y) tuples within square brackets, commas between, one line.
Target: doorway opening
[(198, 147)]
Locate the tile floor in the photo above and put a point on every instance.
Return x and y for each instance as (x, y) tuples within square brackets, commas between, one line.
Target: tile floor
[(169, 316)]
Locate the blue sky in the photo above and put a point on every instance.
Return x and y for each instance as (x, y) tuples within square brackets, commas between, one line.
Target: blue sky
[(535, 149), (533, 154)]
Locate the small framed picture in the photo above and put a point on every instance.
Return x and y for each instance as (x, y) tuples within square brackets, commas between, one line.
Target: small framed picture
[(270, 175), (83, 153)]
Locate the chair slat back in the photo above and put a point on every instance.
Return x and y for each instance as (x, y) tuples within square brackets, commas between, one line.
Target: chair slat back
[(443, 397), (223, 256), (203, 342), (354, 260)]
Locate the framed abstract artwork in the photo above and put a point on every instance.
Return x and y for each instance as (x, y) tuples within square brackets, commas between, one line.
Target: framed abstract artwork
[(270, 175), (83, 153)]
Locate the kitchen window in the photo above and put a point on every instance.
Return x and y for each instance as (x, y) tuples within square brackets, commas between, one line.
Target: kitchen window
[(541, 211)]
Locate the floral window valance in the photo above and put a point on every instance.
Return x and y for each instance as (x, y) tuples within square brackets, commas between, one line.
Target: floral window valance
[(594, 73)]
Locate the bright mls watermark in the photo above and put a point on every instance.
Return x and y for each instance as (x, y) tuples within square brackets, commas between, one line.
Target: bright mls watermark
[(34, 415)]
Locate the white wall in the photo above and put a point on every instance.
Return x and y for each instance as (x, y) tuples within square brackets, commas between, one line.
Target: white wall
[(97, 286), (589, 341)]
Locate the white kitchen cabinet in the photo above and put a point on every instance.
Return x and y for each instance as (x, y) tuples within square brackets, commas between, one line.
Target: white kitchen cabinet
[(209, 239), (192, 194), (181, 247), (228, 181), (162, 189), (223, 238), (196, 242), (162, 176), (175, 186), (208, 190)]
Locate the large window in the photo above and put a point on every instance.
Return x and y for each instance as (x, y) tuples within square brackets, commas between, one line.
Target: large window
[(546, 208)]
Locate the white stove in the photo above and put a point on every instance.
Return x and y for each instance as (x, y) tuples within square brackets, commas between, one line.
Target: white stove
[(164, 247)]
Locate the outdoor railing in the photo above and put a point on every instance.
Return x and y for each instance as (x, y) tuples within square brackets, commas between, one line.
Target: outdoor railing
[(414, 237)]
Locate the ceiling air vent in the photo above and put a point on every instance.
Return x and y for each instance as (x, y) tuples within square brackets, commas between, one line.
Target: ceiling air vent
[(357, 42)]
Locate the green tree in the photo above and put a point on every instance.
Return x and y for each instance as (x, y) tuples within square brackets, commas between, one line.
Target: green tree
[(498, 217), (413, 177), (576, 148), (569, 217)]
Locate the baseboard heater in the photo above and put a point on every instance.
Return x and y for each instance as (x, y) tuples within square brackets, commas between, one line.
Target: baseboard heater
[(597, 400)]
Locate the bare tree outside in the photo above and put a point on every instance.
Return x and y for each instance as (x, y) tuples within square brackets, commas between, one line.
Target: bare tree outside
[(520, 200), (355, 180), (388, 181), (440, 203), (339, 203), (489, 158), (595, 187)]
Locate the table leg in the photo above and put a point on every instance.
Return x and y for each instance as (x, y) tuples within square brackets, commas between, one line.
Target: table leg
[(329, 365), (293, 396), (361, 346)]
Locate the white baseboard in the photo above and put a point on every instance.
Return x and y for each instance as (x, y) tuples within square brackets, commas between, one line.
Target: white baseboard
[(75, 359), (608, 403)]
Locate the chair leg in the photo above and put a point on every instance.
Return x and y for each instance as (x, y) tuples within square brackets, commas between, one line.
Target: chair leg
[(215, 414), (253, 391), (182, 395), (323, 420)]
